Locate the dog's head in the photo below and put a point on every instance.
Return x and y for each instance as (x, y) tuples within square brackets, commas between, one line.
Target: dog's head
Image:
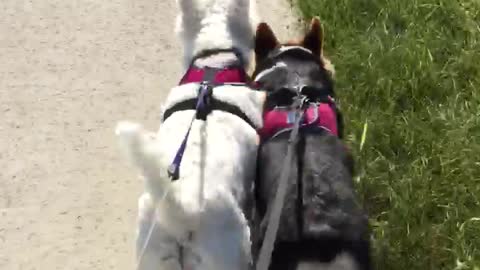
[(282, 66), (205, 25)]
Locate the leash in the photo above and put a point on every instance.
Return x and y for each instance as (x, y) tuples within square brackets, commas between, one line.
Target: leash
[(203, 107), (201, 110), (151, 228), (207, 77), (266, 250)]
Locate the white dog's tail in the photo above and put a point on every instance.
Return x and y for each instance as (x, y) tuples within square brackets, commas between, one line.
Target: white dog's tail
[(140, 147)]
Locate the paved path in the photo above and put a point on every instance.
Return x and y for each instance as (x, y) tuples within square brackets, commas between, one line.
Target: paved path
[(68, 71)]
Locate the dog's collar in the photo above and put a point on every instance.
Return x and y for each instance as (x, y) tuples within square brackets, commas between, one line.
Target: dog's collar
[(233, 73), (208, 53)]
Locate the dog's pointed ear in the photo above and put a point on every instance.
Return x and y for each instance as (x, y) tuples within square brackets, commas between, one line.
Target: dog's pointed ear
[(265, 41), (313, 40)]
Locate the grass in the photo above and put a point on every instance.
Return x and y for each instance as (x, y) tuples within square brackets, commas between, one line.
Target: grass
[(409, 70)]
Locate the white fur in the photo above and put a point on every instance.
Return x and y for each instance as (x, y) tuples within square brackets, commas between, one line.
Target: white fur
[(198, 219), (216, 24), (221, 154), (288, 48), (269, 70), (329, 67)]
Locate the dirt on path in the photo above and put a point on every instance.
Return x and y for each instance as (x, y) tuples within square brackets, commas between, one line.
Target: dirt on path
[(69, 70)]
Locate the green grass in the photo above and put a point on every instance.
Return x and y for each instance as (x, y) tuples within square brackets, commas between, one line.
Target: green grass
[(411, 70)]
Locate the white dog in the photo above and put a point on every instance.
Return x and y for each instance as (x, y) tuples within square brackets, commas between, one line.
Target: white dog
[(198, 220)]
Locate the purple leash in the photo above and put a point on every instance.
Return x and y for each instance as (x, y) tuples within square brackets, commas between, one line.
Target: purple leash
[(200, 113)]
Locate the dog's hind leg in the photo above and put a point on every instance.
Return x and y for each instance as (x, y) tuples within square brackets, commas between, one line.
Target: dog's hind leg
[(155, 249), (223, 244)]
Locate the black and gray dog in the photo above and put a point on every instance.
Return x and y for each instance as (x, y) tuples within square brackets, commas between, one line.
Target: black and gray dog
[(322, 225)]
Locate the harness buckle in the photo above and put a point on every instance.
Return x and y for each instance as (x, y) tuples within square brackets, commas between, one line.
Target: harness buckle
[(300, 102), (173, 171), (204, 99)]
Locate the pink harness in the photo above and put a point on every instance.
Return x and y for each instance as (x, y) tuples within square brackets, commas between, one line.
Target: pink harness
[(320, 115), (228, 75), (208, 78)]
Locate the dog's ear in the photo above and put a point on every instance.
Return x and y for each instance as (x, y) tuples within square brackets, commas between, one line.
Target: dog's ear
[(313, 40), (265, 41)]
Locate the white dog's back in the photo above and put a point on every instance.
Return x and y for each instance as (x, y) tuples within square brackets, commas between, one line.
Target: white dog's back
[(198, 218), (212, 148), (216, 177)]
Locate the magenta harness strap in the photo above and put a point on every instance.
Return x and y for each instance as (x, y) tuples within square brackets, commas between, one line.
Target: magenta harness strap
[(228, 75), (317, 115)]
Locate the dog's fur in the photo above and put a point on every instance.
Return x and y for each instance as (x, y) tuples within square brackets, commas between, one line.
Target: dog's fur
[(199, 220), (322, 225), (213, 24)]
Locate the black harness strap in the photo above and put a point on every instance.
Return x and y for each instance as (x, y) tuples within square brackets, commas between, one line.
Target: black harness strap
[(214, 104)]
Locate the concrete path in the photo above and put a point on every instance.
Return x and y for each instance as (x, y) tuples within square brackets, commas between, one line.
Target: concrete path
[(69, 70)]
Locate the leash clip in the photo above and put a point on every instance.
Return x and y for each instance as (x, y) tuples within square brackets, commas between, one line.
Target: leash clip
[(173, 172), (300, 102), (204, 97)]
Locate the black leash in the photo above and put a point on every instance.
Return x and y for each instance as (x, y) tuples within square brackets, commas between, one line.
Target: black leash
[(275, 211)]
